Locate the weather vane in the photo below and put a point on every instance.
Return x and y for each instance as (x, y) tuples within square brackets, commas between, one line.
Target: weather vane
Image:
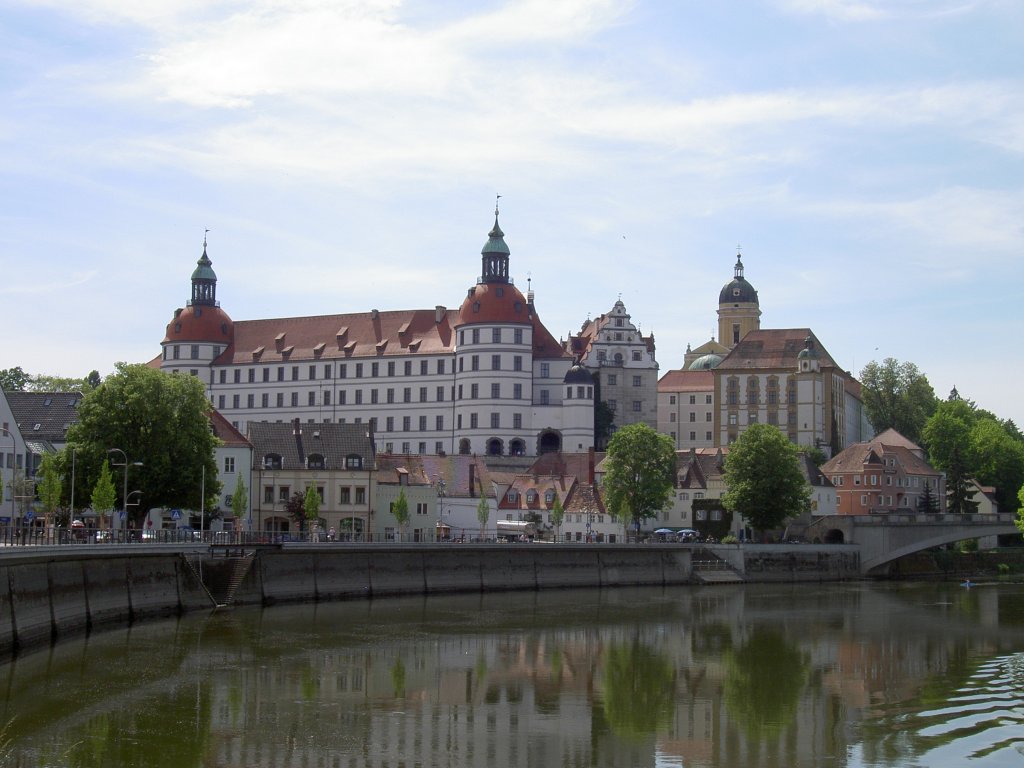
[(496, 199)]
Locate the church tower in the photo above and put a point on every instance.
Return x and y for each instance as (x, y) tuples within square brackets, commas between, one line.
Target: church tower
[(738, 310)]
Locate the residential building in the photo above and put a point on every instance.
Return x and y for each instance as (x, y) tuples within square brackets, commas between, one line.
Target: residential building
[(337, 460), (686, 408), (886, 474), (487, 378)]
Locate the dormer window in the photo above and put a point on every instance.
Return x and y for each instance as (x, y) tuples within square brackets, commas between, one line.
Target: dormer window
[(273, 461), (513, 497), (315, 461), (549, 497), (531, 497), (353, 461)]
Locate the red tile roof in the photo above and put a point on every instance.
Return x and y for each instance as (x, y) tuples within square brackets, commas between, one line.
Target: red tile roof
[(773, 348), (687, 381)]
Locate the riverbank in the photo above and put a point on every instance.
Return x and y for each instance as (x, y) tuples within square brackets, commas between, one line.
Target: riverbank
[(48, 593)]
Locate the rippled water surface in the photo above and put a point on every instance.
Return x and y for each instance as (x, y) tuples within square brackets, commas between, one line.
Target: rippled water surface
[(834, 675)]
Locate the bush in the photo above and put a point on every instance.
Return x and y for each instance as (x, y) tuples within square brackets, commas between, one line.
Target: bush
[(730, 539), (1004, 569)]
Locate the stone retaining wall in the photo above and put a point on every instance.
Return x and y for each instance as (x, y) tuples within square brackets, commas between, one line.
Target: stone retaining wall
[(51, 592)]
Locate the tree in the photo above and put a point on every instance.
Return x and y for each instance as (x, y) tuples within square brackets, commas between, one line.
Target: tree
[(959, 494), (948, 428), (926, 502), (557, 515), (483, 513), (50, 486), (997, 460), (897, 395), (240, 499), (1019, 522), (13, 380), (639, 474), (400, 510), (103, 494), (159, 420), (604, 423), (762, 473), (295, 508), (311, 508)]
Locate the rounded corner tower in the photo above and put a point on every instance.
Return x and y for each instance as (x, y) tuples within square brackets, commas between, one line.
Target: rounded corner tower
[(201, 331)]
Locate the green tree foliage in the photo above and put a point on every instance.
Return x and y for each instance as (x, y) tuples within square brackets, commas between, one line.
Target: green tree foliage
[(557, 515), (986, 448), (159, 420), (311, 506), (639, 474), (400, 511), (815, 454), (483, 513), (897, 395), (103, 493), (959, 493), (604, 424), (49, 485), (762, 473), (1019, 522), (927, 501), (240, 499), (13, 380)]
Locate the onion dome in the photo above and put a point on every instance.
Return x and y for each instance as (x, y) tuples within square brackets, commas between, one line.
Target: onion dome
[(706, 362), (577, 374), (738, 290), (202, 319), (494, 299)]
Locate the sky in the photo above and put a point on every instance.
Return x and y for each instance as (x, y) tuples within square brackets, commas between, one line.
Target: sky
[(866, 156)]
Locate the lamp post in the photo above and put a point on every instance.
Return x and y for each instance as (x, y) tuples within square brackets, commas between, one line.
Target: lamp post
[(440, 509), (124, 496), (14, 450)]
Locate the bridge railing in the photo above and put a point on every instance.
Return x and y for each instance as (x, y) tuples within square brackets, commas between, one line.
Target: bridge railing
[(922, 518)]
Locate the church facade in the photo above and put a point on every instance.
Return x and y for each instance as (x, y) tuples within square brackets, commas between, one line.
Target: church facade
[(487, 378)]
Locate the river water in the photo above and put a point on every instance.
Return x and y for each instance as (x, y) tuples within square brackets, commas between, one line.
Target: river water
[(851, 675)]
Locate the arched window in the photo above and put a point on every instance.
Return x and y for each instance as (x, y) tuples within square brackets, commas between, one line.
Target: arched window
[(517, 448), (494, 447), (464, 446)]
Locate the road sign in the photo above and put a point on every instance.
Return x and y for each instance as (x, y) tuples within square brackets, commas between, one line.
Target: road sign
[(175, 514)]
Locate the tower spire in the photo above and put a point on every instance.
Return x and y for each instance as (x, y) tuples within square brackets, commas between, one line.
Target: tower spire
[(204, 280), (494, 254)]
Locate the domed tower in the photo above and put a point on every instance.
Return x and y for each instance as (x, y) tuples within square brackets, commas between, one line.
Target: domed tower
[(494, 359), (202, 331), (738, 310), (577, 401)]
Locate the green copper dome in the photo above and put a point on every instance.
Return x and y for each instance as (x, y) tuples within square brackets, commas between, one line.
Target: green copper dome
[(204, 268), (495, 241), (706, 362)]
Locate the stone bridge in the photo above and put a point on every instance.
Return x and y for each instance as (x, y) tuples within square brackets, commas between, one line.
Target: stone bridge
[(883, 538)]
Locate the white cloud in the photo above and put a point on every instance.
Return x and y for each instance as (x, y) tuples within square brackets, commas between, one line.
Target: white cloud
[(875, 10)]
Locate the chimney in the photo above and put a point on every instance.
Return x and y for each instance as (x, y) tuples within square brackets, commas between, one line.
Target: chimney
[(472, 479), (590, 466), (296, 426), (439, 313)]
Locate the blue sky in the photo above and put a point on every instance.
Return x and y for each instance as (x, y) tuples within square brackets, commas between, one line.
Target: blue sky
[(868, 156)]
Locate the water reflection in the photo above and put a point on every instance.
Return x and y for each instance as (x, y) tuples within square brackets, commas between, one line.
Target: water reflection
[(849, 675)]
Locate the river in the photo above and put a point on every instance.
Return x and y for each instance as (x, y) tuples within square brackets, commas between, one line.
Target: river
[(852, 674)]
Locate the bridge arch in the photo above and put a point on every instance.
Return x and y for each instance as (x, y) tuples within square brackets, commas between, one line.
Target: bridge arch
[(951, 535)]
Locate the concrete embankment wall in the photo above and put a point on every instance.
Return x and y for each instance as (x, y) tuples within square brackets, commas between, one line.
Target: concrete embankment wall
[(47, 593), (51, 592), (298, 572)]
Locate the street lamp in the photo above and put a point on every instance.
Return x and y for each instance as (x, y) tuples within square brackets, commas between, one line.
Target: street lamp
[(124, 496), (440, 506)]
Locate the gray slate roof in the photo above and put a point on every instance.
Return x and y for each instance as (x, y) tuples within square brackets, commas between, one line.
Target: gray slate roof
[(53, 412), (295, 442)]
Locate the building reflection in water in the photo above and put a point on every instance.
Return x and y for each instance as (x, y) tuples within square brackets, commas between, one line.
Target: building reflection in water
[(748, 676)]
